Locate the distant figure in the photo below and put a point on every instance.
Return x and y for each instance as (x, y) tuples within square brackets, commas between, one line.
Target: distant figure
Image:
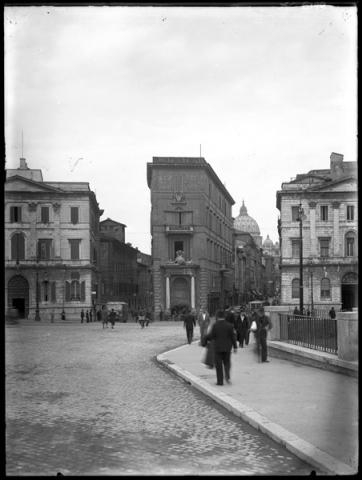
[(209, 358), (87, 316), (104, 317), (296, 311), (82, 316), (99, 315), (203, 321), (161, 315), (142, 318), (112, 317), (52, 317), (189, 324), (63, 315), (332, 313), (90, 315), (242, 329), (224, 337), (264, 324), (308, 313)]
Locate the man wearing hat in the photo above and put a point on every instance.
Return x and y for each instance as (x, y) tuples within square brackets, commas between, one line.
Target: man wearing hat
[(224, 337), (264, 324)]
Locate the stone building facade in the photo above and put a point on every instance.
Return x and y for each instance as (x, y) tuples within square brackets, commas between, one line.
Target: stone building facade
[(191, 230), (249, 263), (328, 198), (125, 272), (51, 245), (271, 255)]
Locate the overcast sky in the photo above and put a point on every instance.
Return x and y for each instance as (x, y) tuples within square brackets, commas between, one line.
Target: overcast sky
[(268, 92)]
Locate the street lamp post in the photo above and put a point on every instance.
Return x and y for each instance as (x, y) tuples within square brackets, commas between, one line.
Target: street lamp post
[(300, 218)]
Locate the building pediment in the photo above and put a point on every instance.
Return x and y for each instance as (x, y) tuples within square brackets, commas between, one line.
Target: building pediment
[(344, 185), (21, 184)]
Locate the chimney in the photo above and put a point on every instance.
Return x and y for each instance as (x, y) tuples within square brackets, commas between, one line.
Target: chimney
[(336, 165), (23, 165)]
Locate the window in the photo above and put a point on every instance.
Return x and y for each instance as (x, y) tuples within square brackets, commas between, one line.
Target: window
[(53, 296), (17, 247), (295, 248), (44, 249), (295, 214), (324, 247), (350, 212), (15, 214), (44, 214), (46, 291), (178, 246), (295, 288), (325, 289), (74, 249), (324, 213), (350, 249), (74, 215)]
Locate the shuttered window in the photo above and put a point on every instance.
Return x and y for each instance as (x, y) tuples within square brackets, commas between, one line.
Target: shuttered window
[(18, 247), (44, 214), (15, 214), (74, 215), (53, 297), (74, 249)]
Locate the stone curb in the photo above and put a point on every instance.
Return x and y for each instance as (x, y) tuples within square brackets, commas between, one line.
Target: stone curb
[(302, 449)]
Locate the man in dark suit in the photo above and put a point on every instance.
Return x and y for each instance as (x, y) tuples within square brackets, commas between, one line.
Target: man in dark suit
[(224, 337), (230, 316), (264, 324), (189, 324), (242, 329)]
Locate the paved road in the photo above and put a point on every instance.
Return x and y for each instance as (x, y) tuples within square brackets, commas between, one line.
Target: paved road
[(81, 400)]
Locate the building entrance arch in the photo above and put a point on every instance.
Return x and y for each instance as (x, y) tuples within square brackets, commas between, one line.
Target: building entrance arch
[(349, 294), (180, 292), (18, 295)]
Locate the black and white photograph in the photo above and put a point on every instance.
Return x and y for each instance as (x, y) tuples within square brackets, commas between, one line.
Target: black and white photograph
[(181, 239)]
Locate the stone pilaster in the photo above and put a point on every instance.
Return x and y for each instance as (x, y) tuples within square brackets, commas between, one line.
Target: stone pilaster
[(313, 237), (336, 229)]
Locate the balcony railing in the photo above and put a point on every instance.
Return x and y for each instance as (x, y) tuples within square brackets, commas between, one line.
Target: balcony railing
[(310, 332), (179, 229)]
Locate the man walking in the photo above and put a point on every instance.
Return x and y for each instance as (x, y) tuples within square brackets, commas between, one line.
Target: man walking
[(203, 321), (264, 324), (189, 324), (104, 315), (242, 329), (224, 337), (332, 313), (82, 316)]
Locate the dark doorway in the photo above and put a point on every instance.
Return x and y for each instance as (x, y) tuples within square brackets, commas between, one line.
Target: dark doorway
[(19, 304), (349, 296), (18, 295)]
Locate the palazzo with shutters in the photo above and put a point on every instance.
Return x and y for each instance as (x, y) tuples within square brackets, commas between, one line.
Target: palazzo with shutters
[(51, 245), (191, 229), (328, 199)]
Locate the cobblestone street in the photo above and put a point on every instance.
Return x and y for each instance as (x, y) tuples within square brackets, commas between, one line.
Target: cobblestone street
[(82, 400)]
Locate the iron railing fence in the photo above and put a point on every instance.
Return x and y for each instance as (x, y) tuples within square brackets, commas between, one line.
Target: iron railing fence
[(313, 312), (316, 333)]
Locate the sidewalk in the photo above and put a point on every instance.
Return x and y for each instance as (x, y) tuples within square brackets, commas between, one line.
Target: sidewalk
[(311, 411)]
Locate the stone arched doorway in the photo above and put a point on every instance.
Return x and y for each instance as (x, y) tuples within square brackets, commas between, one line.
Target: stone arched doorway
[(349, 291), (18, 295), (180, 292)]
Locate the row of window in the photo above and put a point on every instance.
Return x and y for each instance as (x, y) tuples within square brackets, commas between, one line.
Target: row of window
[(324, 213), (325, 288), (16, 214), (222, 203), (74, 291), (217, 253), (217, 225), (44, 248), (350, 243)]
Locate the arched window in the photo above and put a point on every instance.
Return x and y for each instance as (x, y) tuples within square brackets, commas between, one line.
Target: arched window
[(295, 288), (350, 244), (18, 247), (325, 288)]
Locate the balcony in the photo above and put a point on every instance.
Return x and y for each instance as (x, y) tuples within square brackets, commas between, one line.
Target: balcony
[(184, 229)]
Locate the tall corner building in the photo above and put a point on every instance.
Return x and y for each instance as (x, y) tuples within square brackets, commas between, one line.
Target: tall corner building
[(329, 201), (192, 235)]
